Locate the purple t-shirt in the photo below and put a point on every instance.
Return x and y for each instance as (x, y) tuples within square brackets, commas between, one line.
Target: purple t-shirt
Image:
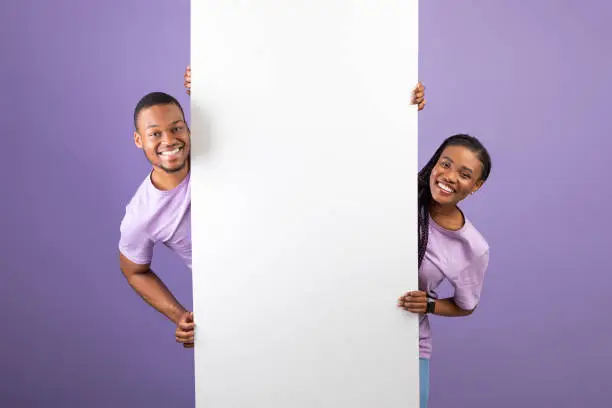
[(461, 257), (154, 216)]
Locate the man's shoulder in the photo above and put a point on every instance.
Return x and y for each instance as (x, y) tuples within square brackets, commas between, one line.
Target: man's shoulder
[(138, 208), (137, 236)]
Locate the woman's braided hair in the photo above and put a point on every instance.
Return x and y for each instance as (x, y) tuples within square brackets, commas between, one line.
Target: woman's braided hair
[(424, 192)]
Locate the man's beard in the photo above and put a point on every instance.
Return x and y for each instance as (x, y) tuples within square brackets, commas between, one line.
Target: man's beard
[(174, 170), (167, 170)]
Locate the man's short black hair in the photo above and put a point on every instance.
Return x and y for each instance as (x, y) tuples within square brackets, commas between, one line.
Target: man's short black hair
[(153, 99)]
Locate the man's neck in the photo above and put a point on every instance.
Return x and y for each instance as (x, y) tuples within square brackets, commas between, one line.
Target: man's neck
[(167, 181)]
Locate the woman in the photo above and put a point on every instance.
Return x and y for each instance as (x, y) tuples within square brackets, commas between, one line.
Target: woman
[(450, 247)]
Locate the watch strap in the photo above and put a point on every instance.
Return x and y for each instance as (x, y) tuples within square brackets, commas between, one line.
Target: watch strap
[(431, 305)]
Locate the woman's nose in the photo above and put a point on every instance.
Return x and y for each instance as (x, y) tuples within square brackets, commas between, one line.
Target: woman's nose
[(451, 177)]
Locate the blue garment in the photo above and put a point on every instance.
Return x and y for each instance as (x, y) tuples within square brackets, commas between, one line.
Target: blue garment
[(424, 381)]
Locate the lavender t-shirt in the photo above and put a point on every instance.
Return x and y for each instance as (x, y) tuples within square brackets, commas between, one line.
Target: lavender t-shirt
[(459, 256), (155, 216)]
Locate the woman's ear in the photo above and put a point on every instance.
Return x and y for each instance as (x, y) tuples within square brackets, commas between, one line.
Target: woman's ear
[(477, 186)]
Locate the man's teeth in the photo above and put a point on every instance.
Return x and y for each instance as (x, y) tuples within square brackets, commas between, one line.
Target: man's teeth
[(171, 152), (446, 188)]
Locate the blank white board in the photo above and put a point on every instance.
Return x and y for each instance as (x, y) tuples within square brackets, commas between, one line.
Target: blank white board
[(304, 224)]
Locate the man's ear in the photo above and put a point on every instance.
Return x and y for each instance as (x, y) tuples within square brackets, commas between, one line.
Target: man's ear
[(137, 140)]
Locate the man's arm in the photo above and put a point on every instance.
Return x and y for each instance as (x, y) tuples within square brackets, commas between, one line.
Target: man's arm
[(153, 291)]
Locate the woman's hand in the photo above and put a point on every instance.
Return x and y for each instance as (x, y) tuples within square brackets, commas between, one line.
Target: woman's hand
[(418, 96), (415, 302)]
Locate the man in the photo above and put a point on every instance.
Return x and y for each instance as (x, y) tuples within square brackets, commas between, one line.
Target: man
[(160, 210)]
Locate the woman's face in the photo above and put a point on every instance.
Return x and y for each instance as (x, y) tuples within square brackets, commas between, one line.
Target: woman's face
[(456, 175)]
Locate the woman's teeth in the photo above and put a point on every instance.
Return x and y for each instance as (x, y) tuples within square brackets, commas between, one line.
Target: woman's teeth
[(445, 188)]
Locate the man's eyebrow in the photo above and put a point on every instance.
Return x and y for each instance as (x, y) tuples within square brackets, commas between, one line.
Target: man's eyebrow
[(173, 123)]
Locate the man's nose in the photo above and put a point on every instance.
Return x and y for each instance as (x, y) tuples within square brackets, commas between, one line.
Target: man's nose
[(168, 138)]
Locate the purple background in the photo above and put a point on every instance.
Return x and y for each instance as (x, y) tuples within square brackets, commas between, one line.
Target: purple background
[(531, 79)]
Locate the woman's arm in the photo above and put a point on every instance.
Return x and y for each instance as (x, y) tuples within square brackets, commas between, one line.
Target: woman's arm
[(447, 307), (416, 302)]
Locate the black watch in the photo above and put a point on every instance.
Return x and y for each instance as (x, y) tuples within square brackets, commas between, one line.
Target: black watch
[(431, 305)]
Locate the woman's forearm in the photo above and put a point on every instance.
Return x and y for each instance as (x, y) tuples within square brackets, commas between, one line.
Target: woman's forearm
[(448, 307)]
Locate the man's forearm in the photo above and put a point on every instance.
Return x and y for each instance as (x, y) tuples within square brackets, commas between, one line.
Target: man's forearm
[(156, 294), (448, 307)]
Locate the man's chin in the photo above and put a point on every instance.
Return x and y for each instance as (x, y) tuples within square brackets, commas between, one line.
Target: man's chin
[(174, 169)]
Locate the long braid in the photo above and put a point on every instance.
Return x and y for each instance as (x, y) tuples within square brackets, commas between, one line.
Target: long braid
[(424, 201), (424, 191)]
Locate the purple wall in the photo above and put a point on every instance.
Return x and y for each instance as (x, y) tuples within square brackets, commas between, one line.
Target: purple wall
[(530, 78), (74, 335)]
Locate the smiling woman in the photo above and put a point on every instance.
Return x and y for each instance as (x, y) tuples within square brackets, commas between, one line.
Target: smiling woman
[(450, 247)]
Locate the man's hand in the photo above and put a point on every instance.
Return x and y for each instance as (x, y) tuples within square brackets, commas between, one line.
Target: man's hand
[(418, 95), (415, 302), (188, 79), (185, 329)]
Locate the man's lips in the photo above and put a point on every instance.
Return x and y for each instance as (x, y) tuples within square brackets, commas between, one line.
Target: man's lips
[(170, 153)]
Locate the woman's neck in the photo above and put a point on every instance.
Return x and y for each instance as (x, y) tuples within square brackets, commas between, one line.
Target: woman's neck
[(448, 217)]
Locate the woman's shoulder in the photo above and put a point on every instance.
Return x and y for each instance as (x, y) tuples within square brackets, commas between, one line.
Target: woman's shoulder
[(476, 240)]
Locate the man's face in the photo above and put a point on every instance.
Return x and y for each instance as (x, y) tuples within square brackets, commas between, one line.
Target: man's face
[(164, 137)]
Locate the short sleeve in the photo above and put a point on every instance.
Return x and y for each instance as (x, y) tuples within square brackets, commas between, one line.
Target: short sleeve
[(135, 242), (468, 284)]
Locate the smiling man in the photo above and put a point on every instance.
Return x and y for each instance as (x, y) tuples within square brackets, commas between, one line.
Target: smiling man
[(160, 210)]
